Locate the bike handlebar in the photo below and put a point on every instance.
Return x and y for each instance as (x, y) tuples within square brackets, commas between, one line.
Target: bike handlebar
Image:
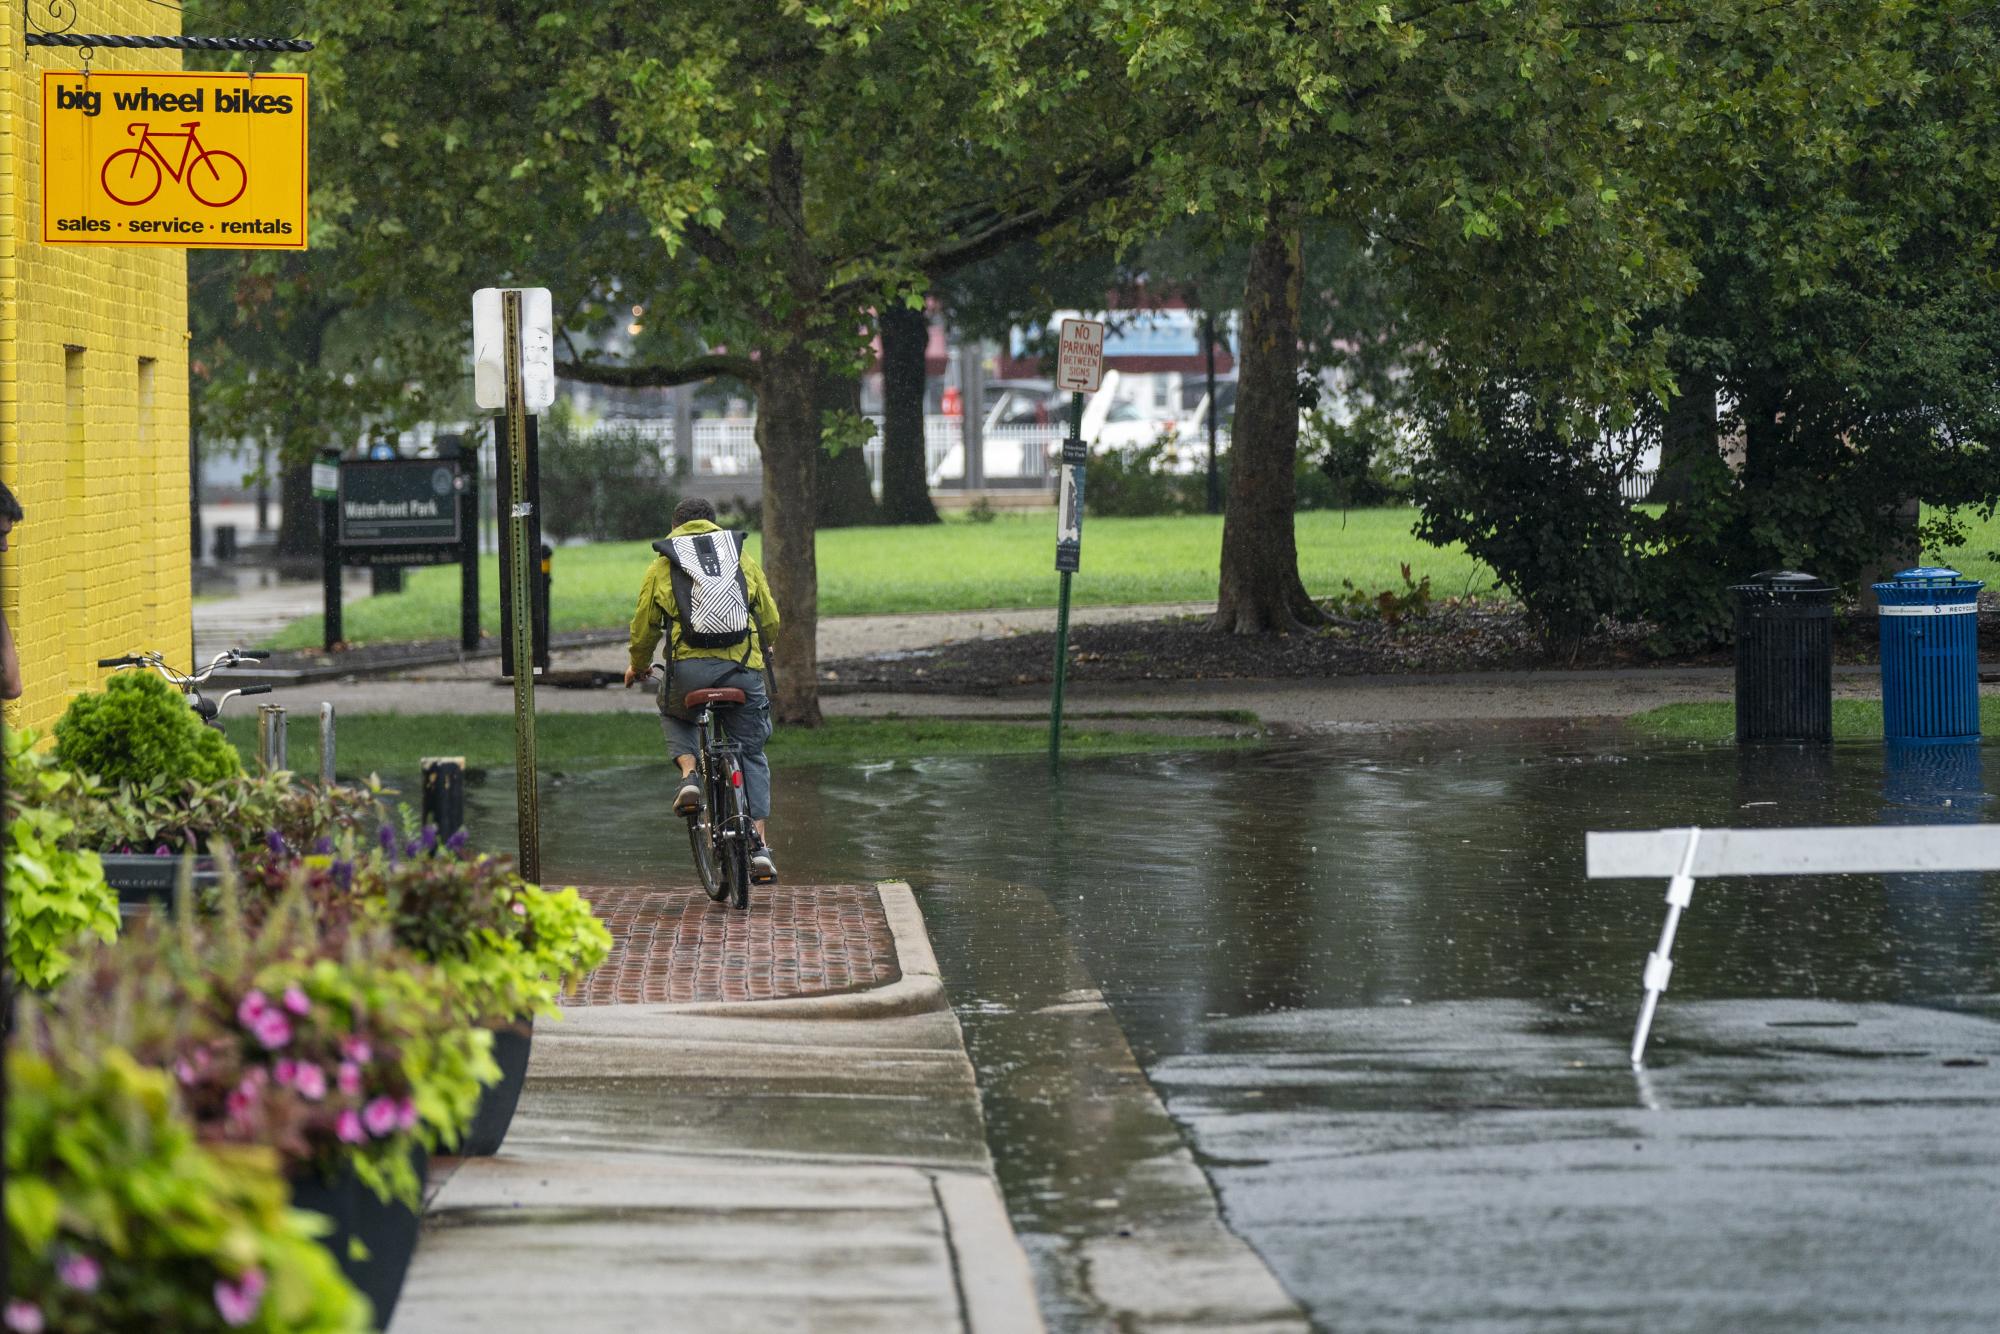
[(253, 654), (255, 690), (126, 661)]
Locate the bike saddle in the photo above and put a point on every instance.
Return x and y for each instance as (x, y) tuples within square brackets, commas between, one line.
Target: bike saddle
[(701, 699)]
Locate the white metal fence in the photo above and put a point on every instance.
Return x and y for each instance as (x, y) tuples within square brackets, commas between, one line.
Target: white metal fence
[(726, 448)]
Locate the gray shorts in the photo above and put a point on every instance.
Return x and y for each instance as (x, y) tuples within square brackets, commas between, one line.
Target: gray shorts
[(748, 724)]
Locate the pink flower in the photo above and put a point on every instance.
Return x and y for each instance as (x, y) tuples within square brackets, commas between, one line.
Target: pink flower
[(357, 1050), (297, 1001), (251, 1008), (238, 1301), (348, 1128), (23, 1317), (272, 1029), (183, 1071), (406, 1114), (286, 1071), (380, 1117), (241, 1099), (79, 1272), (310, 1081), (348, 1077)]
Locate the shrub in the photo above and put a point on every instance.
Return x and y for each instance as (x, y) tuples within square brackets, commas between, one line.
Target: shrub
[(325, 1046), (1132, 483), (1355, 465), (1543, 511), (56, 894), (118, 1219), (505, 947), (1391, 606), (139, 730), (239, 811), (603, 484)]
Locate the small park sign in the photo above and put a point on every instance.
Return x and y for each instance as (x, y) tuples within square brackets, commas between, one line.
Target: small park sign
[(195, 161), (1080, 357)]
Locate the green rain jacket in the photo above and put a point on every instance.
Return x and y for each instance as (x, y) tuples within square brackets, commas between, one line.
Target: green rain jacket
[(658, 611)]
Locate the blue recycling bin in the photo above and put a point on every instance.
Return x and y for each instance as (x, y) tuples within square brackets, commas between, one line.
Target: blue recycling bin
[(1929, 619)]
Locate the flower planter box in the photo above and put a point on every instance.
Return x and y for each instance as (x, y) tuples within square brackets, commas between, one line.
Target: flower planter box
[(388, 1230), (511, 1048), (145, 880)]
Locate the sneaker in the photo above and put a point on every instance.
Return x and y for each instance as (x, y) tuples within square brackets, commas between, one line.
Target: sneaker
[(688, 800), (763, 870)]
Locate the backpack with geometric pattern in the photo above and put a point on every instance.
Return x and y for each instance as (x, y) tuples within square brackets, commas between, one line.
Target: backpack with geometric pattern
[(709, 586)]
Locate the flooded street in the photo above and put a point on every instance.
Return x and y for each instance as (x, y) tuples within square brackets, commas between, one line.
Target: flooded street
[(1387, 1017)]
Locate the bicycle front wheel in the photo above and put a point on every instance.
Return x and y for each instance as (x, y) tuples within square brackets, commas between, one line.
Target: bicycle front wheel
[(216, 178)]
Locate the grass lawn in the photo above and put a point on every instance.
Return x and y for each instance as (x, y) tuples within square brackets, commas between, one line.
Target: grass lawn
[(392, 744), (1853, 720), (954, 566)]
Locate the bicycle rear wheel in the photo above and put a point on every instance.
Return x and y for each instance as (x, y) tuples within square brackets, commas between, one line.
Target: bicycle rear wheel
[(735, 823), (707, 864)]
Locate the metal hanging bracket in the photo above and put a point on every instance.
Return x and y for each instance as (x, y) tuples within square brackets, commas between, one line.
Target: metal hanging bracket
[(49, 23)]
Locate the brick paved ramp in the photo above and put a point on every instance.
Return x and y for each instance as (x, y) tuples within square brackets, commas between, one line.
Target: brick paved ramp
[(673, 945)]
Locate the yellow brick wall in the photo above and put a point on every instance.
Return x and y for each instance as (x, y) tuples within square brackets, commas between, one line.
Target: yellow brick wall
[(93, 407)]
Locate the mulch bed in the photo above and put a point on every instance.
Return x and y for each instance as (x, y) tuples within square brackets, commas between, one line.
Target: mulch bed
[(1451, 637)]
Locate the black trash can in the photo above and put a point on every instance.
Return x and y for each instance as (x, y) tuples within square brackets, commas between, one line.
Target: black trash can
[(1784, 657)]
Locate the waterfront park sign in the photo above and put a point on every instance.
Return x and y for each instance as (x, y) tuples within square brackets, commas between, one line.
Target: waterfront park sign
[(160, 158)]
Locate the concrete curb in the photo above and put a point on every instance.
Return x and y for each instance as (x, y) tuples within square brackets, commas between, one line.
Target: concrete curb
[(918, 991), (994, 1281)]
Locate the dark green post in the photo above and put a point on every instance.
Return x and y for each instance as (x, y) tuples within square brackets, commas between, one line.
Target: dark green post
[(521, 598), (1069, 557)]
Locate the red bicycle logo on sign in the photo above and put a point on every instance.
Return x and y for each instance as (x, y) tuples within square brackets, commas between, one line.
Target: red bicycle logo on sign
[(134, 175)]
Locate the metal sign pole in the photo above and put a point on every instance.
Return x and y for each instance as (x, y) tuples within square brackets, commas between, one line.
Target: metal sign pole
[(527, 787), (1069, 556)]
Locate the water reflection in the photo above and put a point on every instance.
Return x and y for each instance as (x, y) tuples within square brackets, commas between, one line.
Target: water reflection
[(1931, 917), (1358, 870)]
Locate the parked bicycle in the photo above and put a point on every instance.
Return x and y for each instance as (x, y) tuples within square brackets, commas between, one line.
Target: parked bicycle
[(721, 833), (190, 684)]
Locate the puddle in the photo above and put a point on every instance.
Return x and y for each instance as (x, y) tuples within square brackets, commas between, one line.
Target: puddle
[(1278, 931)]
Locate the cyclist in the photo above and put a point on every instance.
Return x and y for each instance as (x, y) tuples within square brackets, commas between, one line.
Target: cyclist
[(721, 645)]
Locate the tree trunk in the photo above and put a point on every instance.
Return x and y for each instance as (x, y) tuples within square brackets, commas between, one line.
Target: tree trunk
[(788, 437), (906, 492), (1690, 435), (1904, 550), (846, 499), (1260, 589)]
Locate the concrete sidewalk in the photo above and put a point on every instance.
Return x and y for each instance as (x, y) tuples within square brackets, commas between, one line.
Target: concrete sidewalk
[(813, 1164)]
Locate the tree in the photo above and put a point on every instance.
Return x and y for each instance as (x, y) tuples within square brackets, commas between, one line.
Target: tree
[(765, 175), (1842, 327), (281, 356), (1500, 160)]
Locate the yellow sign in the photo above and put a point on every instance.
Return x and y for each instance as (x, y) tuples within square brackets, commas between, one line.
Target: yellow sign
[(191, 160)]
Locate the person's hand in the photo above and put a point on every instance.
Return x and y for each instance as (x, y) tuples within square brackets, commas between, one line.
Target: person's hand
[(633, 677)]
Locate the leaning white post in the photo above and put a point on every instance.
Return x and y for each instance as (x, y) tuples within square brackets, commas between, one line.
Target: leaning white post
[(1660, 963)]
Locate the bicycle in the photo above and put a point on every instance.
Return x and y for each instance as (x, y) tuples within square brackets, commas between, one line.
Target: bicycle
[(190, 684), (721, 834), (230, 177)]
